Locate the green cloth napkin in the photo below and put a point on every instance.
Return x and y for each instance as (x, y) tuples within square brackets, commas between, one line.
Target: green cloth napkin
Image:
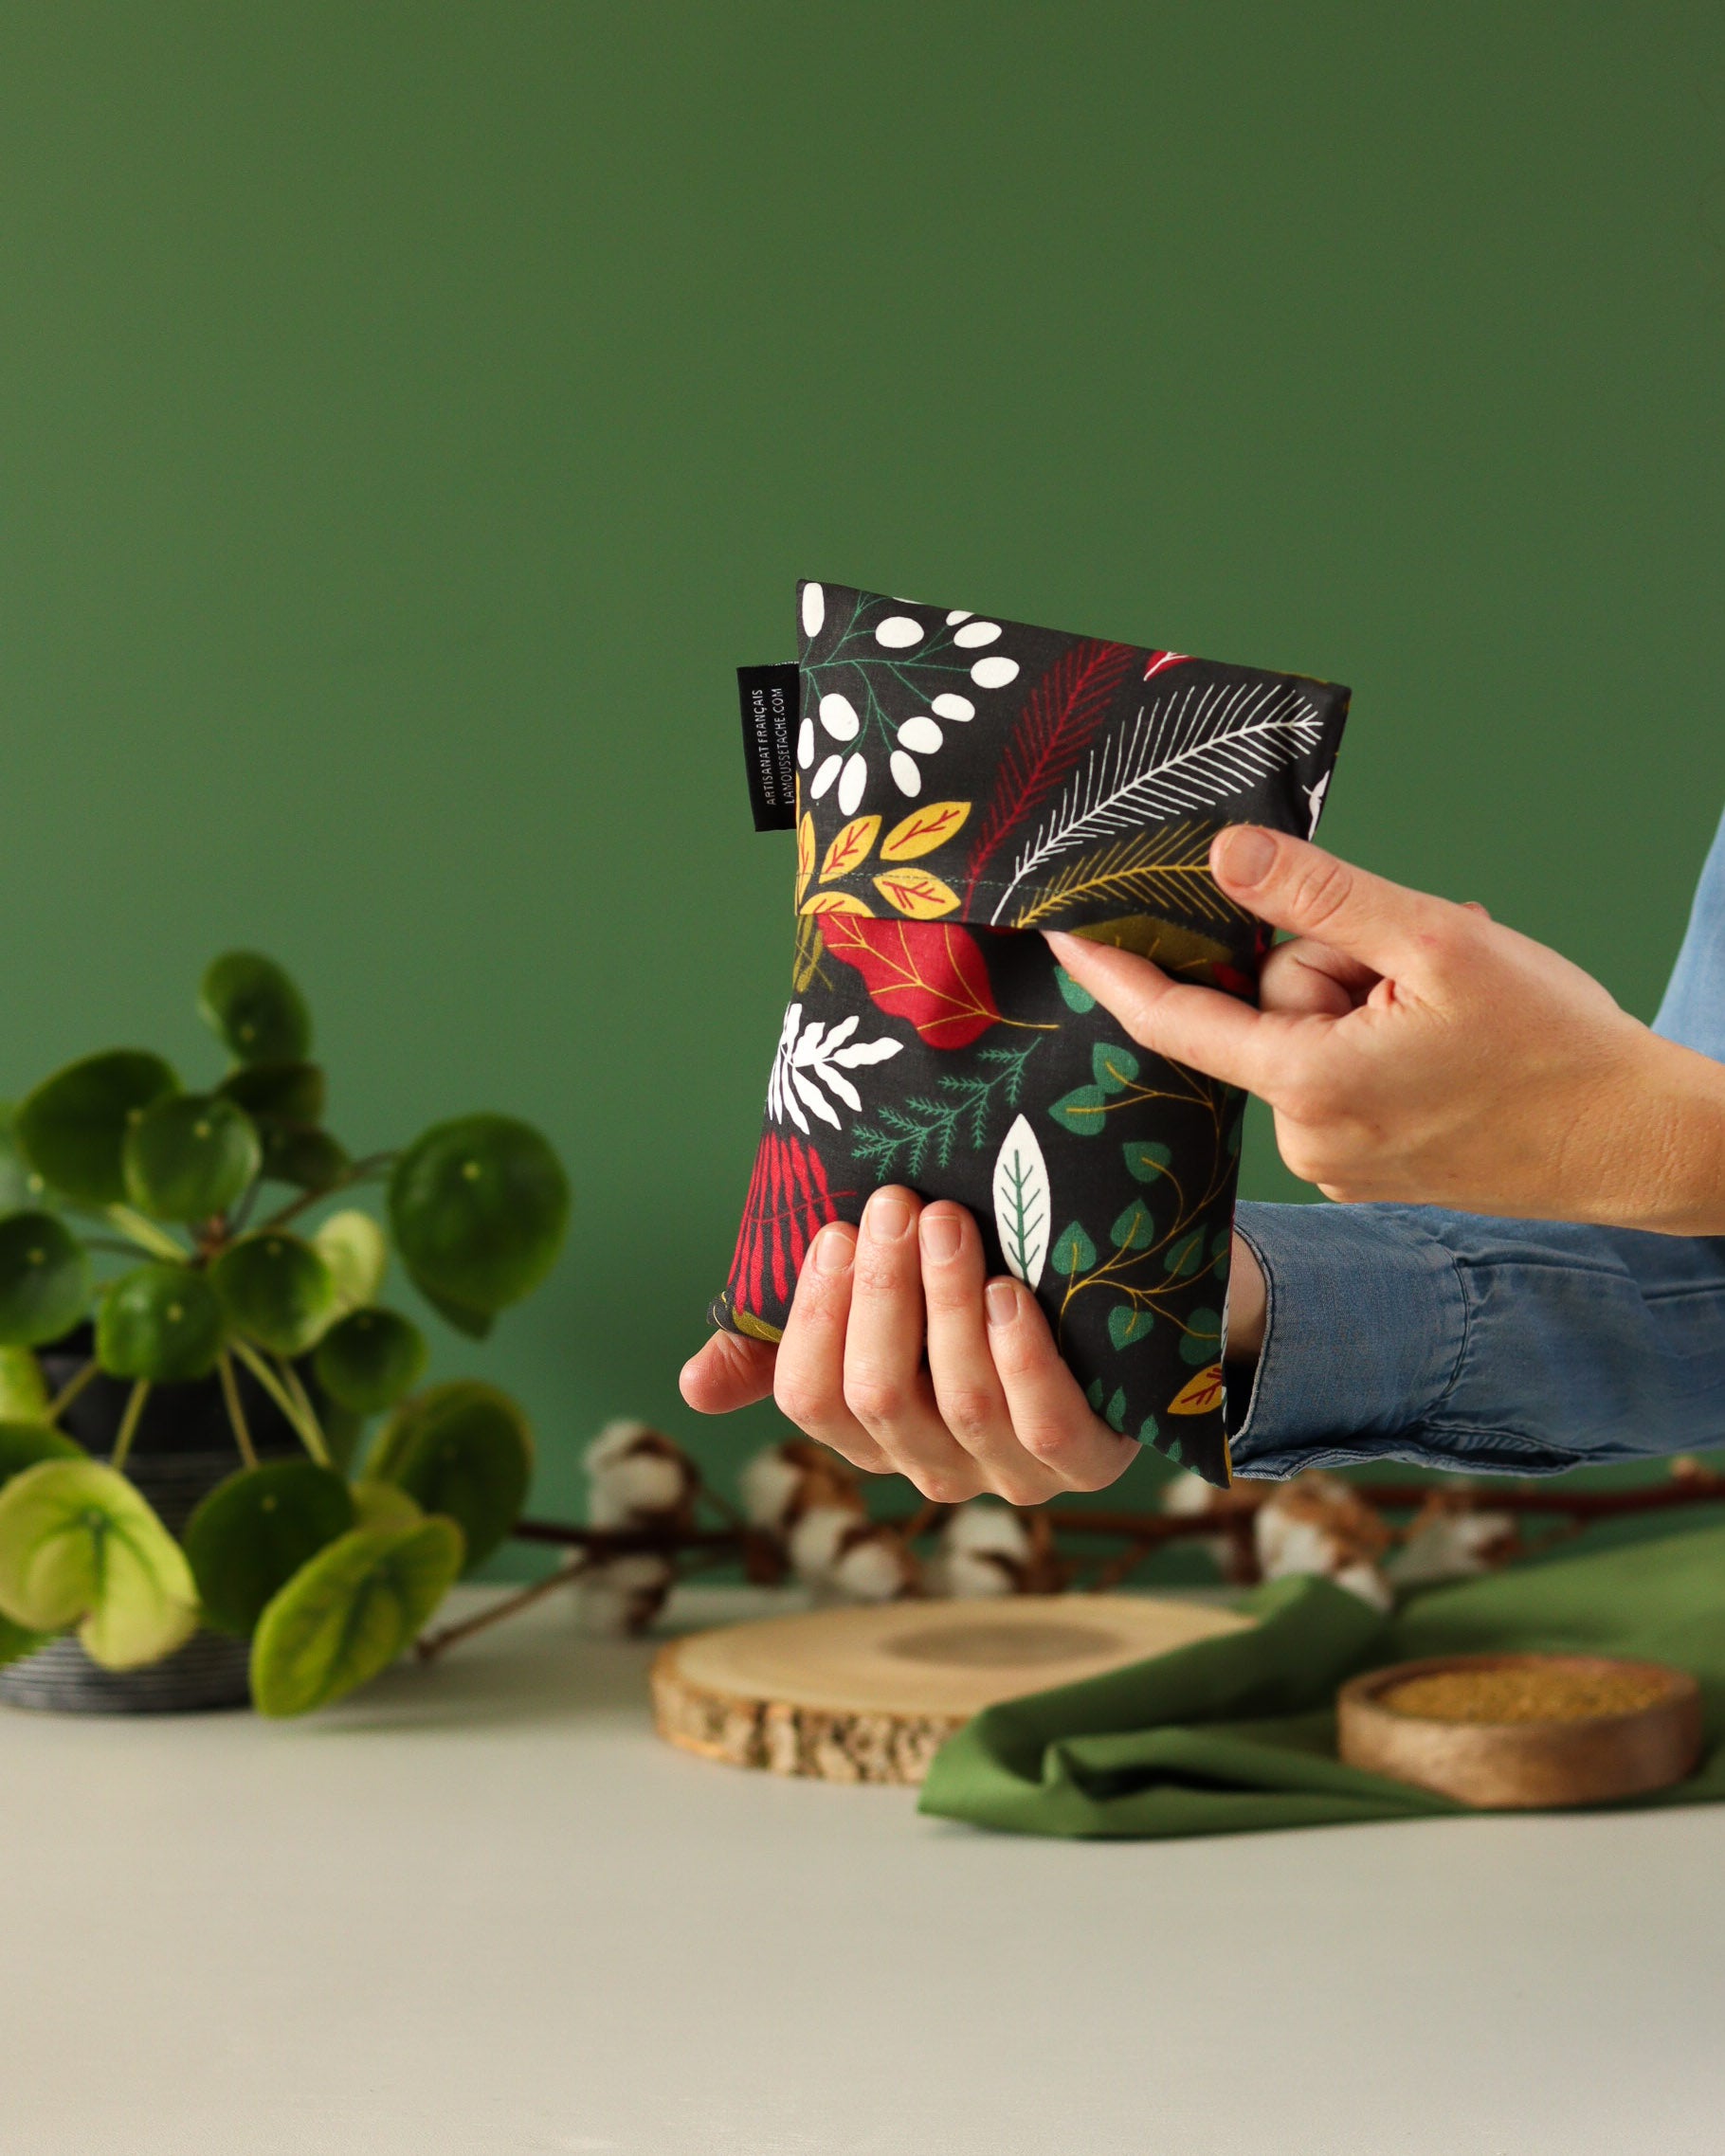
[(1237, 1733)]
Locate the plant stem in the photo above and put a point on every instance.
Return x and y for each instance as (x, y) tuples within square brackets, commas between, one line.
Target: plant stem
[(309, 1436), (146, 1234), (128, 1424), (435, 1644), (290, 1377), (69, 1391), (236, 1414), (360, 1171)]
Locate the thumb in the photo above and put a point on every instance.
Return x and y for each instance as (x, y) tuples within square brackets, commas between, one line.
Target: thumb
[(1299, 887)]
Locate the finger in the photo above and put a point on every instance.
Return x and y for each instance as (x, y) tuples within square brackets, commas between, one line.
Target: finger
[(1299, 887), (1307, 978), (1050, 1415), (727, 1373), (1201, 1027), (808, 1375), (968, 1390), (885, 1388)]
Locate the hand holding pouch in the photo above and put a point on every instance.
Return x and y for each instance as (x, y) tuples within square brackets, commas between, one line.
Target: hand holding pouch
[(964, 783)]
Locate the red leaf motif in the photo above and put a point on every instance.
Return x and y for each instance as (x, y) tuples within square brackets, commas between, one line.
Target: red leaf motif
[(1159, 659), (1055, 727), (930, 974), (788, 1203)]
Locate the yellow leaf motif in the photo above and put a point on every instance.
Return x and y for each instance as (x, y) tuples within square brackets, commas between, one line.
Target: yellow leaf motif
[(837, 902), (753, 1328), (1200, 1394), (851, 847), (912, 891), (924, 829), (805, 853)]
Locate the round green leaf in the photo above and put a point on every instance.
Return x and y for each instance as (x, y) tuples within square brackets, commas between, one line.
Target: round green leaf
[(370, 1359), (1073, 1253), (1082, 1110), (382, 1505), (344, 1617), (20, 1187), (190, 1156), (476, 1323), (79, 1543), (1202, 1342), (251, 1005), (1112, 1067), (45, 1279), (464, 1449), (1128, 1322), (72, 1129), (27, 1445), (479, 1208), (276, 1289), (23, 1390), (255, 1530), (309, 1160), (292, 1092), (161, 1322), (358, 1252)]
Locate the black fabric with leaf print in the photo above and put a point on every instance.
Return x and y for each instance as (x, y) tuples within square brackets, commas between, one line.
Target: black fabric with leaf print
[(964, 782)]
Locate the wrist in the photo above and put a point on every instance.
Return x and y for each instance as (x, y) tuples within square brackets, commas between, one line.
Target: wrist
[(1660, 1142)]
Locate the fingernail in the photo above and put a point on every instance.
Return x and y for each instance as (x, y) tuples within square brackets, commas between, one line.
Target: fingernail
[(887, 1216), (942, 1234), (1001, 1300), (1246, 853), (1063, 945), (832, 1251)]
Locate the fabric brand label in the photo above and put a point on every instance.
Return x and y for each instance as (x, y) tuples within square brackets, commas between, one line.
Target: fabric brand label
[(769, 699)]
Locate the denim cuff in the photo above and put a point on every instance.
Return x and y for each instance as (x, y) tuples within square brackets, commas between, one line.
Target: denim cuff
[(1364, 1328)]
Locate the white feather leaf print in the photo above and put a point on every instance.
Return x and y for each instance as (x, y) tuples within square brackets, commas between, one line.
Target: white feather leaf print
[(1198, 746), (1022, 1204), (807, 1054)]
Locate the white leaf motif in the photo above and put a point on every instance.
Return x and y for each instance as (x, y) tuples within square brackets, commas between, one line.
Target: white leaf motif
[(1198, 746), (809, 1058), (1022, 1202)]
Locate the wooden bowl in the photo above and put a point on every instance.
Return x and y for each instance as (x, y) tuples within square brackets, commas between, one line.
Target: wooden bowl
[(1526, 1765)]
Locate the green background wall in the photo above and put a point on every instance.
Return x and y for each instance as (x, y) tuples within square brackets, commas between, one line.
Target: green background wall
[(412, 413)]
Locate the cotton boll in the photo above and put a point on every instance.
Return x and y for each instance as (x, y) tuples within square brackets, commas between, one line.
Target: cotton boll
[(623, 1595), (873, 1564), (1189, 1497), (784, 1481), (985, 1549), (1446, 1542), (769, 1485), (637, 1477), (815, 1541), (1316, 1524), (1367, 1583)]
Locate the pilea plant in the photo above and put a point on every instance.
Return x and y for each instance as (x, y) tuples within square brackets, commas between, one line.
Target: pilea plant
[(130, 1200)]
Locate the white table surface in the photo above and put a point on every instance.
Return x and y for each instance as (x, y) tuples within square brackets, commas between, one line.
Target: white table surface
[(481, 1909)]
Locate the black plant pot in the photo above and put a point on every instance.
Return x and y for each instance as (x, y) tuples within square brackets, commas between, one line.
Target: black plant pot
[(183, 1446)]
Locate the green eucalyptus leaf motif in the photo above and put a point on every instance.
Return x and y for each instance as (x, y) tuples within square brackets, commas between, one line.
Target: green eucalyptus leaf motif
[(383, 1505), (1075, 998), (307, 1160), (478, 1207), (1082, 1110), (1147, 1161), (1074, 1253), (79, 1545), (255, 1530), (1112, 1067), (1093, 1392), (21, 1188), (371, 1359), (1184, 1256), (1128, 1322), (255, 1010), (23, 1391), (72, 1129), (356, 1252), (276, 1291), (160, 1321), (1114, 1413), (1202, 1343), (190, 1156), (1135, 1229), (344, 1617), (292, 1092), (45, 1279), (463, 1449)]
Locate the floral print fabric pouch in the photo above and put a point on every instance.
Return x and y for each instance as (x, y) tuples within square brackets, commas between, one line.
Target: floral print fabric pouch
[(963, 782)]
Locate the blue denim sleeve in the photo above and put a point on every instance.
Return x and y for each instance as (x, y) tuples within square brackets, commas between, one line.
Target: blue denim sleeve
[(1403, 1332)]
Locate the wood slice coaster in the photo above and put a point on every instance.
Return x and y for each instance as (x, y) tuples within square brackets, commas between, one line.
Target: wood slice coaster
[(1524, 1732), (870, 1692)]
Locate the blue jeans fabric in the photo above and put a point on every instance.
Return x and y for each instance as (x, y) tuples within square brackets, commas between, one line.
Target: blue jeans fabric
[(1405, 1332)]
